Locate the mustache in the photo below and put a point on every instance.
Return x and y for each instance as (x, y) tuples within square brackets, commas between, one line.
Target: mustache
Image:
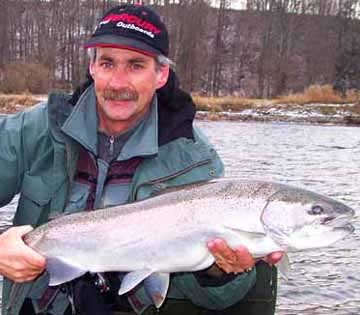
[(123, 94)]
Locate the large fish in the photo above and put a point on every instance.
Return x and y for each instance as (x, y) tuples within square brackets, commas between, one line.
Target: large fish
[(168, 233)]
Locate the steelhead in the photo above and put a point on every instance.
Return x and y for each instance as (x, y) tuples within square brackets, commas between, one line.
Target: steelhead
[(168, 233)]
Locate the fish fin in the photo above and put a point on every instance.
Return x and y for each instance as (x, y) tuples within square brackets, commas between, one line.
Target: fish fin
[(247, 234), (61, 271), (284, 266), (279, 237), (156, 286), (132, 279)]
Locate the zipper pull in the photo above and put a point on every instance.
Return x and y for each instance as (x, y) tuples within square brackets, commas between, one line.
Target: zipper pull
[(111, 140)]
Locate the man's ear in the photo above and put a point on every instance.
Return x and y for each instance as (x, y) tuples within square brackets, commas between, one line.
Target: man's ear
[(162, 76), (91, 69)]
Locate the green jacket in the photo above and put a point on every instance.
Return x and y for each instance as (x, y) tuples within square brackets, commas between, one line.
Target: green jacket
[(38, 160)]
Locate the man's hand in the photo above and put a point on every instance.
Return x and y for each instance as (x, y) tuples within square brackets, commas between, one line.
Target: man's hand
[(273, 258), (235, 260), (18, 262)]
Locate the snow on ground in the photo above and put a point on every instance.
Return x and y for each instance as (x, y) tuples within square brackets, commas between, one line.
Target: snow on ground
[(311, 113), (41, 98)]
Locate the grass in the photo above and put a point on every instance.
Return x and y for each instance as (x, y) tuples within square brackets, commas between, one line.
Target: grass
[(11, 103), (315, 94), (220, 104), (323, 94)]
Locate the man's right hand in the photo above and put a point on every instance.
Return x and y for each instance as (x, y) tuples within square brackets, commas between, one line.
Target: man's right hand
[(18, 262)]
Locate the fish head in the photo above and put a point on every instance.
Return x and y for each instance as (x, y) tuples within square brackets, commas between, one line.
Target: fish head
[(298, 219)]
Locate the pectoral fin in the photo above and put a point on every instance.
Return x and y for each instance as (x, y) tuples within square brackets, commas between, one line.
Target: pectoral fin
[(156, 286), (61, 271), (284, 266), (245, 233), (132, 279)]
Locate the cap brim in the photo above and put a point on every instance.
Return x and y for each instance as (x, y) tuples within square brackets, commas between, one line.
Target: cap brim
[(121, 42)]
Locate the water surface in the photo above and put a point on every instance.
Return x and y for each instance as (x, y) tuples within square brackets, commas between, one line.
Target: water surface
[(321, 158), (325, 159)]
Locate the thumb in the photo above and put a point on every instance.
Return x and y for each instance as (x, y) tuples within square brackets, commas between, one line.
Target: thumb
[(17, 231), (32, 256), (23, 229), (274, 257)]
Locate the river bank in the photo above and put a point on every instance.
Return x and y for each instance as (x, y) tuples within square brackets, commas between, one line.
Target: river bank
[(267, 111), (342, 114)]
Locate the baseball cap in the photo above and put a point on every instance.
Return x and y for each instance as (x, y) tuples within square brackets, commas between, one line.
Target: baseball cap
[(135, 27)]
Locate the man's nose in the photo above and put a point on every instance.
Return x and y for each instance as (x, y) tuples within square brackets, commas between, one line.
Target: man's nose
[(120, 78)]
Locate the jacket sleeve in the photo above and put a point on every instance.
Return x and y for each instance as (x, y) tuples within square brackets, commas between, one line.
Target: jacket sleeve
[(18, 138), (214, 297), (11, 156)]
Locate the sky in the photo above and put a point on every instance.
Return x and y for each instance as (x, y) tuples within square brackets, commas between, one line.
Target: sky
[(235, 4), (238, 4)]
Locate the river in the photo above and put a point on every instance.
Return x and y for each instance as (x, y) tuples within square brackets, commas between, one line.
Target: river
[(325, 159)]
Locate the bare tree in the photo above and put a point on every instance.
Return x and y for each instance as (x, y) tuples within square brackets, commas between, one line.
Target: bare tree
[(218, 48), (4, 32), (271, 48)]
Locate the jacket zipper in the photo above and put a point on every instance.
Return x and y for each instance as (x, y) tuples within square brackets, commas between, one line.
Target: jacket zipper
[(164, 178), (111, 140)]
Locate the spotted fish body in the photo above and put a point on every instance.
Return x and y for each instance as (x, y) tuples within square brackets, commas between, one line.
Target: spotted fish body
[(168, 233)]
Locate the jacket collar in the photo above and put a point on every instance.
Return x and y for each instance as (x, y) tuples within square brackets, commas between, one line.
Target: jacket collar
[(144, 140), (82, 124)]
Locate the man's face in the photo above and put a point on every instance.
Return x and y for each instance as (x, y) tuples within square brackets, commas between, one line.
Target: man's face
[(125, 83)]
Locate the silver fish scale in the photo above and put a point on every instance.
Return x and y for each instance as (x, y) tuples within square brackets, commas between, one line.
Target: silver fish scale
[(194, 214), (168, 232), (221, 188)]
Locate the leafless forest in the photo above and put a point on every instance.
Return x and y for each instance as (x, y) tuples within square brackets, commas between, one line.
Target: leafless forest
[(270, 48)]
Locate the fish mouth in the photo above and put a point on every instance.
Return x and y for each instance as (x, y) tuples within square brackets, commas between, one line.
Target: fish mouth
[(338, 222)]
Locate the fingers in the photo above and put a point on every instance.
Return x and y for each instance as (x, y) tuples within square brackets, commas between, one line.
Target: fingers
[(30, 256), (224, 257), (21, 230), (20, 272), (18, 261), (245, 257), (230, 260), (273, 258), (33, 258), (237, 260)]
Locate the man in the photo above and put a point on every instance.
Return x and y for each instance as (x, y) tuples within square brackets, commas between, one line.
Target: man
[(115, 141)]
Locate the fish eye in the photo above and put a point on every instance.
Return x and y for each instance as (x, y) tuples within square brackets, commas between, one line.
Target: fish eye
[(316, 210)]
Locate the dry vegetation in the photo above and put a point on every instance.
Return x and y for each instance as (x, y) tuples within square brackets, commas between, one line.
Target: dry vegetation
[(226, 103), (315, 94), (20, 76), (323, 94), (10, 103), (319, 98)]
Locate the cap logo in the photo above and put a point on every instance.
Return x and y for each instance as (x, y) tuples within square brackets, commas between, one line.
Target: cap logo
[(133, 22)]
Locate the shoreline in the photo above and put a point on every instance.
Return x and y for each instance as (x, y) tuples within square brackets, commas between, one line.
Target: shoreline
[(312, 114), (238, 117)]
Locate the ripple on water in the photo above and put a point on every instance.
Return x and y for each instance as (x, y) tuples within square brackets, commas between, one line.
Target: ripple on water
[(321, 158)]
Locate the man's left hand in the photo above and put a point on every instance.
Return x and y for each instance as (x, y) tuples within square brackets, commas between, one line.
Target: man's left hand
[(236, 260)]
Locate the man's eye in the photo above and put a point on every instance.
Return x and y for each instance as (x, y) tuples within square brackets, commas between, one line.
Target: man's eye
[(137, 66), (106, 65)]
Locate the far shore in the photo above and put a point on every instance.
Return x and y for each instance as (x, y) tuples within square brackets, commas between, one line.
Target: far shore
[(238, 109), (324, 114)]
